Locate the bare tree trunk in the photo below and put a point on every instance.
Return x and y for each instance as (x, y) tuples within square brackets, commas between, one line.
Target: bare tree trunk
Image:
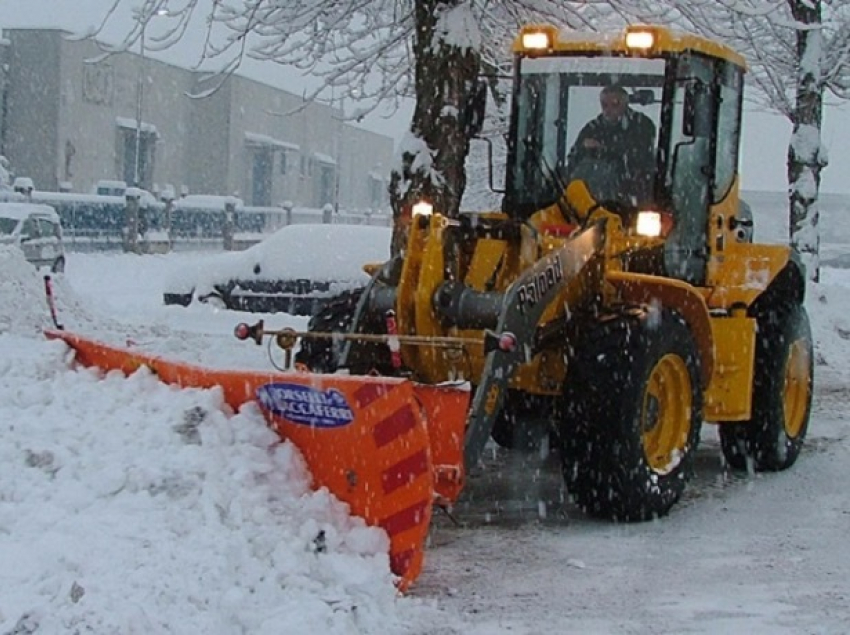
[(432, 161), (805, 157)]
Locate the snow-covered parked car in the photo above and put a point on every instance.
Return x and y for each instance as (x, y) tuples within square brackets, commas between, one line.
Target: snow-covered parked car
[(36, 230), (295, 270)]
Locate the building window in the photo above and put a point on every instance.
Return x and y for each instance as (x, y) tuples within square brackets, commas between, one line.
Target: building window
[(327, 185), (261, 176), (282, 165), (377, 191), (306, 166), (147, 146)]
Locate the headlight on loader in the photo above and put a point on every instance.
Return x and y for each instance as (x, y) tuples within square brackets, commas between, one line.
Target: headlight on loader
[(648, 224), (423, 208)]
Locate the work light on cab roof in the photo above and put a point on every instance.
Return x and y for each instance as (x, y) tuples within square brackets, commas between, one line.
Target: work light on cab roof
[(641, 39), (537, 40)]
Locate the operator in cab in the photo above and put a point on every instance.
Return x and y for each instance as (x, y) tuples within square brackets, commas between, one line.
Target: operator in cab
[(614, 152)]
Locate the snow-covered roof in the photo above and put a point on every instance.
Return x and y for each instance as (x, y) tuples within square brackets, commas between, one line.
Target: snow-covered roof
[(19, 211), (255, 138), (207, 201), (23, 183), (127, 122), (324, 158), (318, 252)]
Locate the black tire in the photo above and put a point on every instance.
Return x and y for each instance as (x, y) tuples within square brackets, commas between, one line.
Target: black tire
[(522, 423), (180, 299), (631, 416), (782, 394), (321, 355)]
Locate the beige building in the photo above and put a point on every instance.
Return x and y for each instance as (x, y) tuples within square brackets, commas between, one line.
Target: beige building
[(68, 119)]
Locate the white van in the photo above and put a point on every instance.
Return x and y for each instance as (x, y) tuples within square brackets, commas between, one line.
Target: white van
[(36, 229)]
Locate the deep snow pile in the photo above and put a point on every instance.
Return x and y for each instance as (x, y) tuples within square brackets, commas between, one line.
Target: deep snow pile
[(24, 308), (144, 323), (23, 300), (828, 305), (128, 506)]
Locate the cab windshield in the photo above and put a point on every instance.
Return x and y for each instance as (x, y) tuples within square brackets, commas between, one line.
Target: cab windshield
[(590, 117)]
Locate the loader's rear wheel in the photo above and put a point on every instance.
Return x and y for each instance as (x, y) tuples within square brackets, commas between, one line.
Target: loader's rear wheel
[(632, 409), (321, 355), (782, 394)]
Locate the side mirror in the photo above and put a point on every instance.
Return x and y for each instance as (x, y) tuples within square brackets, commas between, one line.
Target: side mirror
[(476, 108)]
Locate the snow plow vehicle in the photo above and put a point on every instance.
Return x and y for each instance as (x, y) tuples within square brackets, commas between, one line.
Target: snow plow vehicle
[(622, 313), (612, 313)]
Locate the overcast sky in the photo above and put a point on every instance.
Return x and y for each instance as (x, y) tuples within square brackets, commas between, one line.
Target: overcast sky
[(765, 140)]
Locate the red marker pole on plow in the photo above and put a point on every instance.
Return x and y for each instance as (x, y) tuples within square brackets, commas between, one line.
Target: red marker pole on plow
[(392, 341), (51, 302)]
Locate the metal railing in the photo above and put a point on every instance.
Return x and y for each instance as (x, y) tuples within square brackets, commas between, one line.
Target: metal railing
[(94, 222)]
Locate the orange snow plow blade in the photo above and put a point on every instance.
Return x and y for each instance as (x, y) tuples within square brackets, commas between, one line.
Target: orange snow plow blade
[(386, 446)]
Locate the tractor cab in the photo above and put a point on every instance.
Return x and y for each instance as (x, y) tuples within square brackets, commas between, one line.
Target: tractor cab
[(673, 149)]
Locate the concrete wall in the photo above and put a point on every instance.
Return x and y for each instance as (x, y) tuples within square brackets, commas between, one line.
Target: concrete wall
[(262, 112), (99, 101), (208, 164), (32, 106), (4, 66), (70, 112), (367, 189)]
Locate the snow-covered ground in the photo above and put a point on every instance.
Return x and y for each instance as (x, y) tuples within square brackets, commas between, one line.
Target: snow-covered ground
[(127, 506)]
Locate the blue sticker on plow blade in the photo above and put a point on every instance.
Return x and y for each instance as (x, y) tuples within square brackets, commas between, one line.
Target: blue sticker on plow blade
[(306, 405)]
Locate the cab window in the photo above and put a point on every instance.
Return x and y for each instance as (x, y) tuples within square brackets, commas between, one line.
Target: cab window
[(728, 130)]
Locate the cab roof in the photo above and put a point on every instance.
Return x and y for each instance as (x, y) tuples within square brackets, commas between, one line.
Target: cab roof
[(665, 41)]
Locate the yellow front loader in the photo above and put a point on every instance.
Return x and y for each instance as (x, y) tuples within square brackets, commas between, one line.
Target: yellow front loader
[(614, 324)]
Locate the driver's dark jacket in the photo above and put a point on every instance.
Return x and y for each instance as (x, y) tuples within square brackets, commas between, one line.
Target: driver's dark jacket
[(630, 143)]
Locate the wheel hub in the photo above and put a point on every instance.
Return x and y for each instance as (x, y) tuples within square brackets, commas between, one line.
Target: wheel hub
[(797, 388), (666, 413)]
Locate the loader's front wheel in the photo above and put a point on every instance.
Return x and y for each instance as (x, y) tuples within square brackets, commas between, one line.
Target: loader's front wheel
[(782, 394), (633, 409), (322, 355), (523, 423)]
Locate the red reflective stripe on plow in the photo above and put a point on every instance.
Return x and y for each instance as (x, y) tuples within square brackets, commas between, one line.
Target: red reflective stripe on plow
[(401, 421), (368, 393), (405, 519), (399, 562), (404, 472)]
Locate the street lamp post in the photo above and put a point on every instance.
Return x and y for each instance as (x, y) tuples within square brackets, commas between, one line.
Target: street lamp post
[(140, 91), (338, 151)]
